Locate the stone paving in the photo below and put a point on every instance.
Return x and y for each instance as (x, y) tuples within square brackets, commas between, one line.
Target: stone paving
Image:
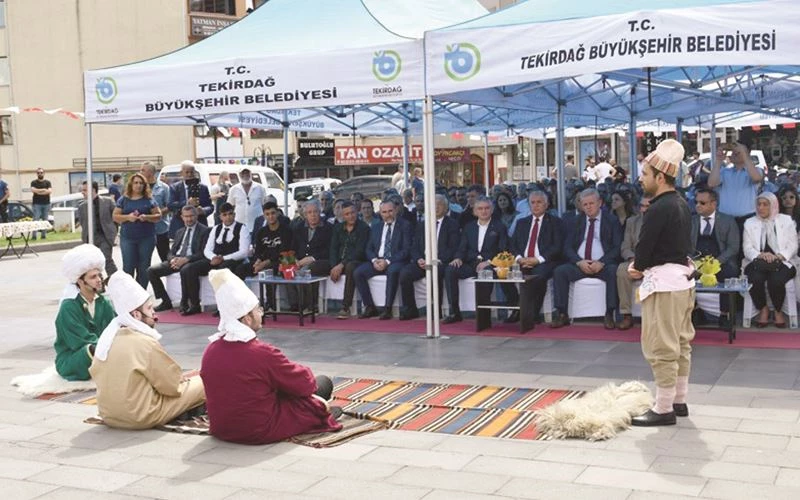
[(742, 439)]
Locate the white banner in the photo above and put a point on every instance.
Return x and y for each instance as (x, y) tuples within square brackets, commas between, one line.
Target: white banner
[(758, 33), (150, 90)]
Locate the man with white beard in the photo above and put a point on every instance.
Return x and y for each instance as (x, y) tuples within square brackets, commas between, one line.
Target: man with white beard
[(247, 198)]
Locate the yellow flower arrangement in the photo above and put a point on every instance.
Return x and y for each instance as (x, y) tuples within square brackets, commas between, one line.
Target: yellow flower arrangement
[(503, 259), (708, 267)]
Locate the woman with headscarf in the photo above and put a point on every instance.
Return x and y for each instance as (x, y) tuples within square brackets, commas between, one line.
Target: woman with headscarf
[(770, 257), (787, 198), (137, 213)]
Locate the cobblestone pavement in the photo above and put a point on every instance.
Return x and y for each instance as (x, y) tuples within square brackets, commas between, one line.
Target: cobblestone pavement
[(742, 439)]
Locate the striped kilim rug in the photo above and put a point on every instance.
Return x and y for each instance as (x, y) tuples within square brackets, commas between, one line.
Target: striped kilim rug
[(470, 410)]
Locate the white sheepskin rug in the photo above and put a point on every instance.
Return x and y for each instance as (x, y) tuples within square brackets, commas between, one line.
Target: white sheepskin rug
[(598, 415), (48, 382)]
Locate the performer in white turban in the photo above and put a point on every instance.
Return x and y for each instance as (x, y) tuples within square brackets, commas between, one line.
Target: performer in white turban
[(254, 393), (83, 313), (139, 386)]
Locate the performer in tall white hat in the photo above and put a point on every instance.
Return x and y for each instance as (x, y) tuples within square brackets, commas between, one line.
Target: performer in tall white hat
[(139, 386), (83, 312), (254, 393)]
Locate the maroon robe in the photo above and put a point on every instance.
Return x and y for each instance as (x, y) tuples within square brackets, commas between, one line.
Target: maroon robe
[(255, 395)]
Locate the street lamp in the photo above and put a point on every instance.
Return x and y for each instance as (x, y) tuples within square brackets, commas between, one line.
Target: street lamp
[(265, 152)]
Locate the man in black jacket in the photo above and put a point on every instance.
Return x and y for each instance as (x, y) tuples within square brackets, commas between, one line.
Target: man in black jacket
[(537, 242), (591, 252), (190, 240), (348, 251), (481, 240), (448, 235), (311, 243)]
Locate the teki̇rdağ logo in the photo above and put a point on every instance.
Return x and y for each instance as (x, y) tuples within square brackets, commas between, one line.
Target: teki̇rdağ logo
[(462, 61), (106, 89), (386, 65)]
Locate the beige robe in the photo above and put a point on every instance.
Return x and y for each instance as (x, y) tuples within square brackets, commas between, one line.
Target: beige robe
[(139, 386)]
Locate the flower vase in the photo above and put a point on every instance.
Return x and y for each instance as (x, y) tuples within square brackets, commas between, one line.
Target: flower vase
[(502, 272)]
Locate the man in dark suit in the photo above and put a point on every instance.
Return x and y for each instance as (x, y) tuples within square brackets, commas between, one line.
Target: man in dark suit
[(481, 240), (591, 252), (537, 242), (311, 242), (105, 230), (189, 191), (448, 235), (388, 251), (190, 240), (716, 234)]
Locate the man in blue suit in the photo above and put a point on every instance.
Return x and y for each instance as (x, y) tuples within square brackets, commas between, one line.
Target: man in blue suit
[(448, 235), (537, 242), (388, 251), (188, 191), (481, 240), (591, 252)]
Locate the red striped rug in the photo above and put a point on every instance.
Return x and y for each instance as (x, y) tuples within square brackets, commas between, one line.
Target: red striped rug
[(469, 410)]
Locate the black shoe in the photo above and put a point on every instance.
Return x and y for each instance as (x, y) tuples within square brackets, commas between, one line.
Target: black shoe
[(512, 318), (453, 318), (215, 313), (387, 313), (165, 305), (652, 419), (609, 323), (560, 320), (191, 311), (409, 315), (368, 312), (184, 306), (680, 409)]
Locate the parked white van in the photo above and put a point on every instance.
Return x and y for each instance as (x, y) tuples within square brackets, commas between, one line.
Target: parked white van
[(209, 173), (308, 189)]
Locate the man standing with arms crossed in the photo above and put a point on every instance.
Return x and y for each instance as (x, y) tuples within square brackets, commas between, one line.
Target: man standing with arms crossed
[(41, 189), (667, 290)]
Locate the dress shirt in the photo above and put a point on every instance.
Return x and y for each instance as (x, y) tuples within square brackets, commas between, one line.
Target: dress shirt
[(711, 220), (737, 193), (482, 228), (244, 243), (536, 252), (386, 226), (597, 245)]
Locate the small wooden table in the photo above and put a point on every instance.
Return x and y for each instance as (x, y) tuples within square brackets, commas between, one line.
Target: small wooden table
[(484, 304), (273, 282), (731, 292)]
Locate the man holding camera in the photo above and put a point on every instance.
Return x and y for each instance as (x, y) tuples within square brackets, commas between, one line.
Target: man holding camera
[(189, 191)]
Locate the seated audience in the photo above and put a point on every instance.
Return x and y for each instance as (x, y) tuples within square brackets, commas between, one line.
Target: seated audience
[(787, 197), (311, 243), (348, 251), (139, 386), (447, 238), (190, 240), (388, 251), (481, 240), (633, 228), (622, 206), (770, 257), (505, 208), (591, 252), (83, 313), (254, 393)]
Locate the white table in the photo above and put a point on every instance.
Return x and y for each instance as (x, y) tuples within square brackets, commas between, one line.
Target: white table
[(22, 230)]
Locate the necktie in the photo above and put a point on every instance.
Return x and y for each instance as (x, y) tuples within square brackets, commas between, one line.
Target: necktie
[(534, 237), (387, 243), (707, 229), (187, 238), (225, 235), (587, 254)]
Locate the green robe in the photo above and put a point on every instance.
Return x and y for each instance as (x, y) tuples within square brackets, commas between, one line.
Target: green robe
[(75, 331)]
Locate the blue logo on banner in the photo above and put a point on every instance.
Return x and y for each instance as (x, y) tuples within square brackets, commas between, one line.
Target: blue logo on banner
[(106, 90), (386, 65), (462, 61)]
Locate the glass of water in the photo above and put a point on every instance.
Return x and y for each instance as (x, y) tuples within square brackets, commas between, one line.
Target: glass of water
[(267, 274)]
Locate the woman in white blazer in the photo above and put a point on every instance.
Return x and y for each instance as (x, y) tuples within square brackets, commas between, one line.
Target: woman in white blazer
[(770, 257)]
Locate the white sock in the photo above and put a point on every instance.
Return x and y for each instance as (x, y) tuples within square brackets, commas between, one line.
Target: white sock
[(665, 396), (681, 389)]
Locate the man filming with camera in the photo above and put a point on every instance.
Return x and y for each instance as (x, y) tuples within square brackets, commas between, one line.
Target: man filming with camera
[(189, 191)]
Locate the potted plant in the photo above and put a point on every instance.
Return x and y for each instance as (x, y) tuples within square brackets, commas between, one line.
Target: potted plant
[(287, 265)]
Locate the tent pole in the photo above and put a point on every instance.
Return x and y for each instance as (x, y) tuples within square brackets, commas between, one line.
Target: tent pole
[(699, 144), (632, 139), (486, 160), (405, 156), (544, 152), (432, 264), (285, 124), (216, 151), (90, 192), (713, 142), (679, 130), (561, 184)]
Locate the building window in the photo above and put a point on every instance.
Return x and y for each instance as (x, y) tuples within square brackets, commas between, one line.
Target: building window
[(256, 133), (4, 72), (213, 6), (5, 130), (2, 14)]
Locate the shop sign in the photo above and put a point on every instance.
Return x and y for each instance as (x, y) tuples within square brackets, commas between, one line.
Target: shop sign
[(315, 149), (204, 26), (389, 154)]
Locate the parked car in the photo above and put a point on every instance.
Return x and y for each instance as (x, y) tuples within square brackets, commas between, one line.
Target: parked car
[(371, 186), (307, 189), (18, 210)]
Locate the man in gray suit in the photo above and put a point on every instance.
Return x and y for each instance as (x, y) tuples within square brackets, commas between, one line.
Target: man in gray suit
[(190, 240), (633, 226), (105, 230), (716, 234)]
